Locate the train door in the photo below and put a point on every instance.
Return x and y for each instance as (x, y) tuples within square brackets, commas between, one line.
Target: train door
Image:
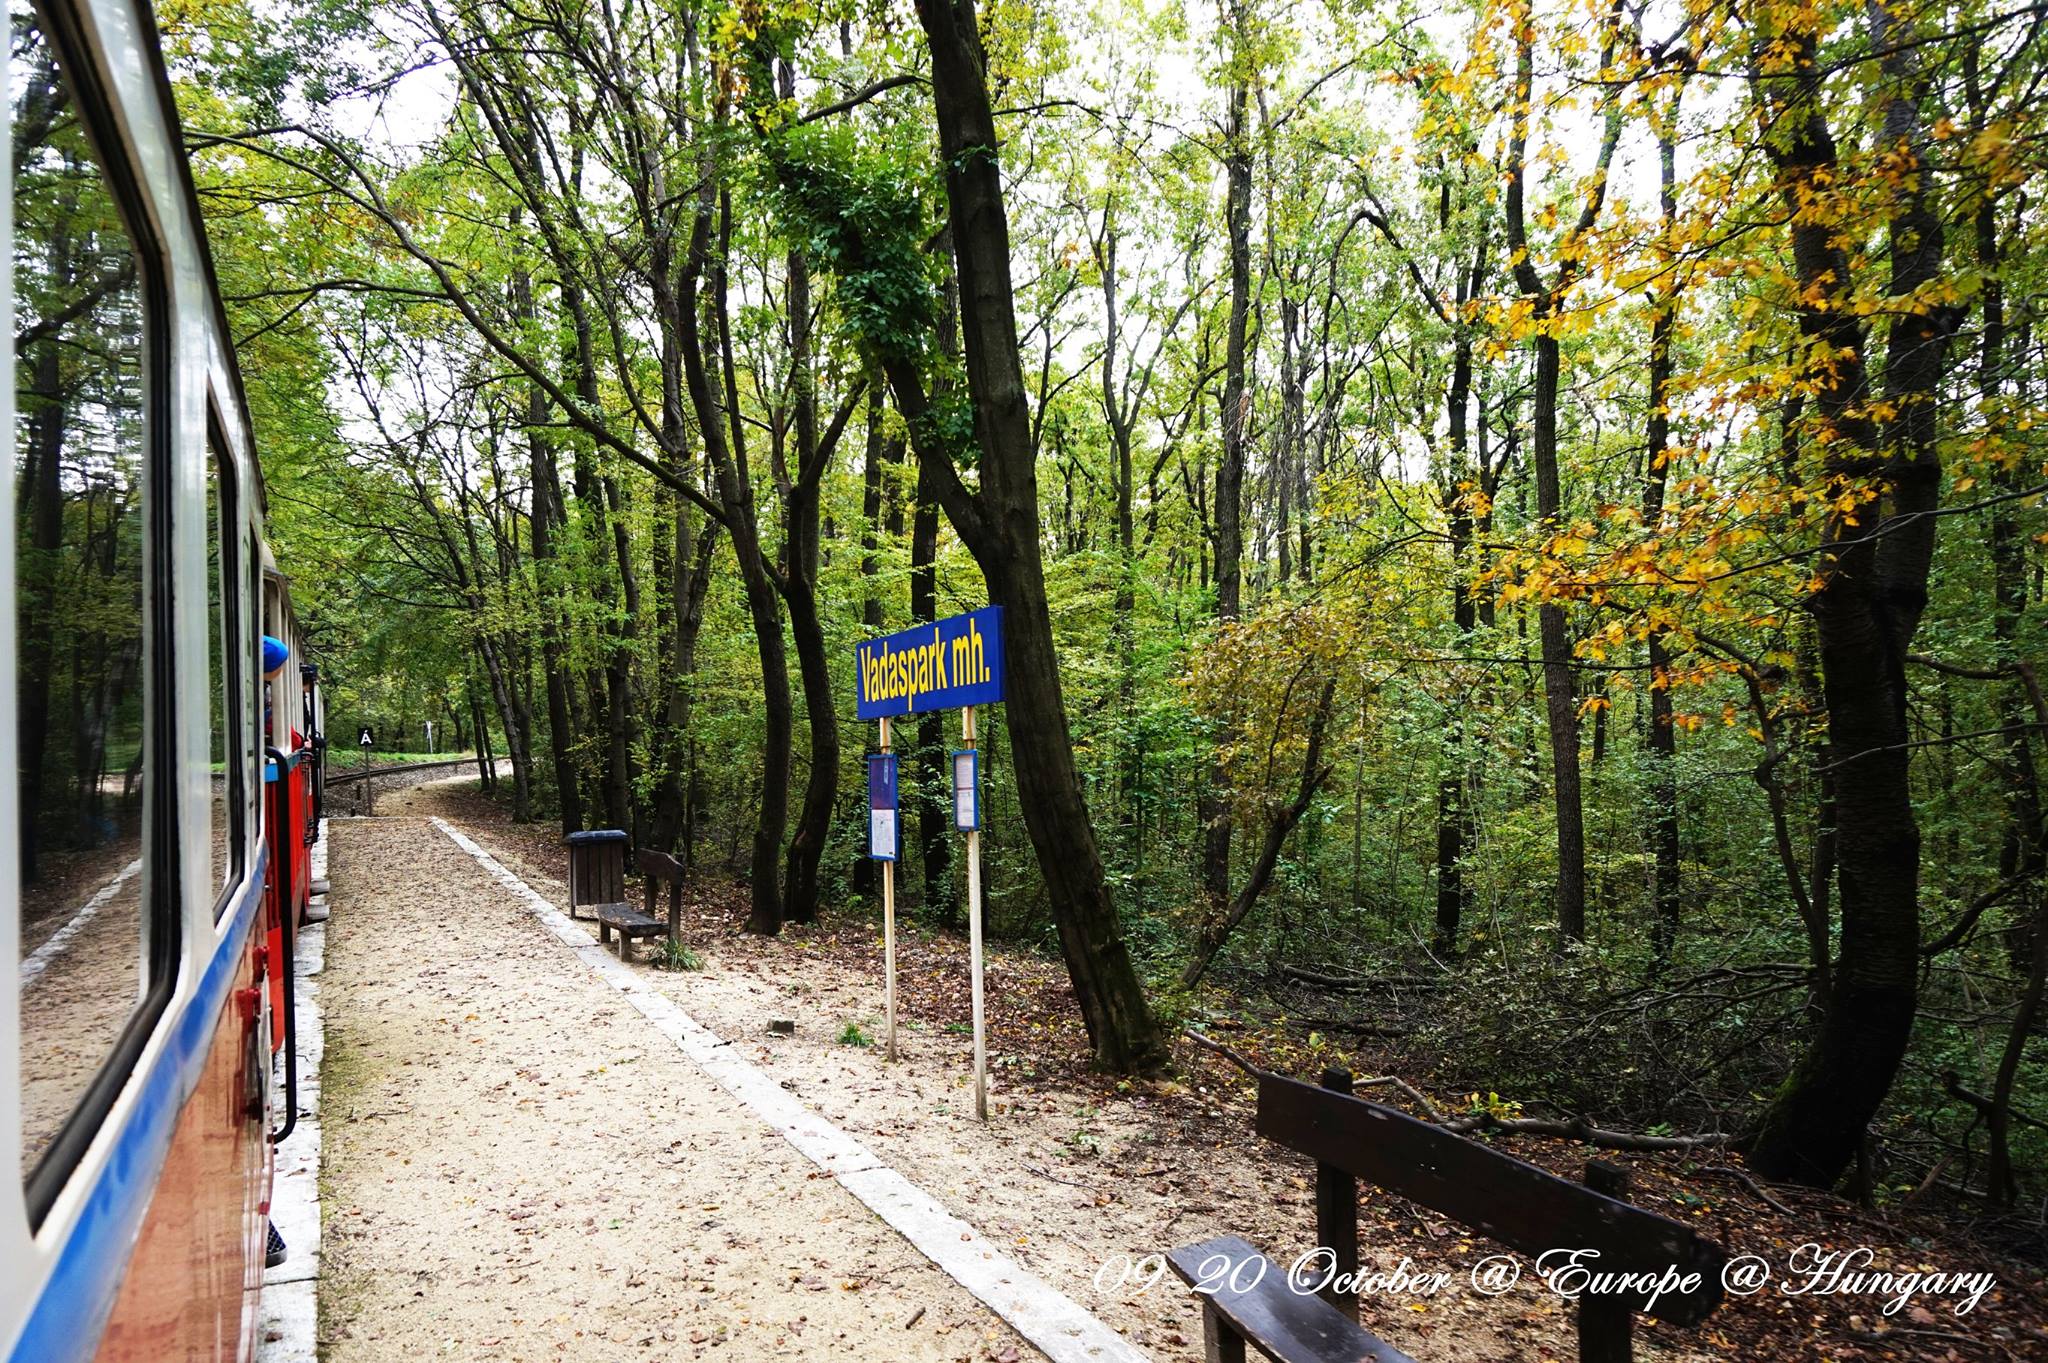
[(236, 1212), (316, 750), (277, 706)]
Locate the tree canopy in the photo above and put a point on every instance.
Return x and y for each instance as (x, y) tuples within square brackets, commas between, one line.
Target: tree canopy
[(1540, 496)]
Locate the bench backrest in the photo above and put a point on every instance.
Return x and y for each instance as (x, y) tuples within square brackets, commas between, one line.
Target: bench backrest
[(662, 869), (658, 865), (1508, 1200)]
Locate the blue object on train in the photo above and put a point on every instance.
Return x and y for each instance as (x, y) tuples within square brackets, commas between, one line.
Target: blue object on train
[(275, 654)]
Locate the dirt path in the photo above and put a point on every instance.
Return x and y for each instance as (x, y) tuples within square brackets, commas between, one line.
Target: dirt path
[(1074, 1185), (1075, 1174), (517, 1168)]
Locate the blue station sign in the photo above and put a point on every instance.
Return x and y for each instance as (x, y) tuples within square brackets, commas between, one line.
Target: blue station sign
[(941, 666)]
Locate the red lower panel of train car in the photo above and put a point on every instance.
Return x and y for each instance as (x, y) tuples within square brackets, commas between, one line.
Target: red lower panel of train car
[(286, 802)]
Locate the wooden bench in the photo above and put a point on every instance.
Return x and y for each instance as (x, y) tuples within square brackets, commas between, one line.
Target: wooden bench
[(626, 921), (597, 868), (1249, 1299)]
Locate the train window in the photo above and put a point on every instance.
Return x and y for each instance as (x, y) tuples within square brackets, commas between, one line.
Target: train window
[(82, 372), (224, 744), (254, 687), (274, 735), (252, 653)]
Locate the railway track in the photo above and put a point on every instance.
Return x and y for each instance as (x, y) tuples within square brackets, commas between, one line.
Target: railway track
[(338, 778)]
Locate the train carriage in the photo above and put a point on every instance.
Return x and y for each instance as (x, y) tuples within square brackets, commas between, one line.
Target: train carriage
[(153, 866)]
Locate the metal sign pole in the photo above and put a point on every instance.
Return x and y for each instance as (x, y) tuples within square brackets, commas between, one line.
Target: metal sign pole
[(974, 936), (889, 931)]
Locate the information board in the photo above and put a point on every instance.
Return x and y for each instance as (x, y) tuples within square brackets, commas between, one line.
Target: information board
[(941, 666), (883, 832), (967, 790)]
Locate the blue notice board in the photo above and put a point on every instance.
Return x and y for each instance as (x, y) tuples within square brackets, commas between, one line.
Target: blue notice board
[(883, 826), (941, 666)]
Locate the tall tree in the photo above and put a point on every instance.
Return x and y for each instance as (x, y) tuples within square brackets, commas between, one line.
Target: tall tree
[(1657, 453), (1872, 574), (999, 523), (1234, 415), (1549, 299)]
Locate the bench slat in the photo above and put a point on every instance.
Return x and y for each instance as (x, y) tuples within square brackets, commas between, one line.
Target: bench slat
[(1509, 1200), (1281, 1323), (623, 918)]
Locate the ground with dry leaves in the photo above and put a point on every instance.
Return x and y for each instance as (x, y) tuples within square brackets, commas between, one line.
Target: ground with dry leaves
[(1075, 1170)]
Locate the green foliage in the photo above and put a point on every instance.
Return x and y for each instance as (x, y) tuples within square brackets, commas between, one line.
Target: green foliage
[(679, 956), (861, 216), (1395, 559)]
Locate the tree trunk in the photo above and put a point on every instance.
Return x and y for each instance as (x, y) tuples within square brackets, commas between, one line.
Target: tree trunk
[(870, 565), (1873, 589), (1123, 627), (2026, 1014), (2021, 855), (547, 510), (1314, 771), (622, 724), (934, 844), (1548, 297), (514, 722), (545, 516), (1560, 704), (1214, 806), (669, 550), (798, 582), (1454, 817), (1663, 736), (39, 574), (480, 736), (821, 786), (683, 575), (717, 424), (608, 703), (1001, 528)]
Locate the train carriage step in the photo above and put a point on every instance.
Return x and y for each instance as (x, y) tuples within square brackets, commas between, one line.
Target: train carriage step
[(274, 1251)]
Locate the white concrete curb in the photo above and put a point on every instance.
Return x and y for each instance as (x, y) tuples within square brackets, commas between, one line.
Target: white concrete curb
[(287, 1327), (37, 961), (1055, 1323)]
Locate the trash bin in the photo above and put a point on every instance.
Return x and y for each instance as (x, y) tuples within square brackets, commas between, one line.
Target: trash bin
[(597, 868)]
